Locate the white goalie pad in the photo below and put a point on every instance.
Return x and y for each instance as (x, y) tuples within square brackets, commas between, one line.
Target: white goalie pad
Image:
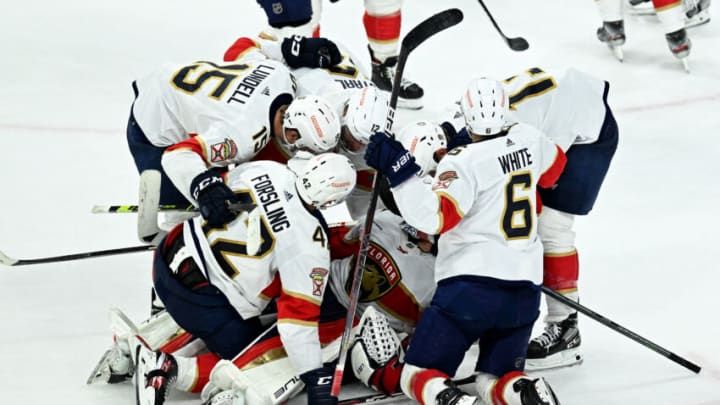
[(376, 343), (270, 383)]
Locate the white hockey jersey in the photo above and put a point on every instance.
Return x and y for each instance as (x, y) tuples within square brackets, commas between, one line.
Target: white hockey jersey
[(210, 114), (398, 277), (483, 202), (334, 84), (567, 105), (291, 264)]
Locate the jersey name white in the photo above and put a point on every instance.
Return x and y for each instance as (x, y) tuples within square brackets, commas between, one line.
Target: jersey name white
[(492, 186)]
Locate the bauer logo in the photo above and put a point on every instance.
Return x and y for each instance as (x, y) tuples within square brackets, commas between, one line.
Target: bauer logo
[(223, 151)]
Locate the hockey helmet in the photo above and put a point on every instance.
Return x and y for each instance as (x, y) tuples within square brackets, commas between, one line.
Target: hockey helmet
[(316, 123), (426, 142), (363, 115), (323, 180), (485, 107)]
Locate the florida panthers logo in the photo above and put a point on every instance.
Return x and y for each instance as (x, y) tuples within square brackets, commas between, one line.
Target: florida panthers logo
[(380, 276), (223, 151)]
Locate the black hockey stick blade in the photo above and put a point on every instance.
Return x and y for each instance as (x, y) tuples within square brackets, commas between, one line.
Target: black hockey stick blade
[(622, 330), (431, 26), (516, 44), (9, 261)]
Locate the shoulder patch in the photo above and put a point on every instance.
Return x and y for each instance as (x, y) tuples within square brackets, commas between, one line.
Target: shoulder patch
[(444, 179), (223, 150)]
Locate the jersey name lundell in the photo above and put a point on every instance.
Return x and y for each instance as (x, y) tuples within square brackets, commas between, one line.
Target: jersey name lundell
[(249, 83), (268, 197), (515, 160)]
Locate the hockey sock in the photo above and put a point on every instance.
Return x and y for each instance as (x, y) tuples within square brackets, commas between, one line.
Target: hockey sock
[(383, 32), (561, 272), (671, 14)]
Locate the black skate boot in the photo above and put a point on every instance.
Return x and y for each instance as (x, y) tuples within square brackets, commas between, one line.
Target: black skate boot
[(612, 34), (557, 346), (680, 45), (452, 395), (535, 392), (383, 73)]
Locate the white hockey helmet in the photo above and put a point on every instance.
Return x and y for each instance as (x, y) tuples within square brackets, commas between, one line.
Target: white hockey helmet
[(363, 115), (426, 142), (485, 106), (316, 123), (324, 180)]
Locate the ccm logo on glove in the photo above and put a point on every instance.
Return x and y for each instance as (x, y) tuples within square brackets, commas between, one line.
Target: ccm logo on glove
[(205, 183)]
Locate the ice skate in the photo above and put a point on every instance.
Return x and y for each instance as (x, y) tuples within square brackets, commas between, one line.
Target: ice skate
[(383, 74), (452, 395), (115, 366), (680, 45), (612, 34), (696, 12), (557, 346), (536, 392), (156, 373)]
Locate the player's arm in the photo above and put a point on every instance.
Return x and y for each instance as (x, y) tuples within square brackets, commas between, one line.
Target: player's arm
[(437, 207), (295, 51)]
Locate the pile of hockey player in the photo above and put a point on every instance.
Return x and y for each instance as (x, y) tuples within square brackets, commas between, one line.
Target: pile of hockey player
[(252, 287)]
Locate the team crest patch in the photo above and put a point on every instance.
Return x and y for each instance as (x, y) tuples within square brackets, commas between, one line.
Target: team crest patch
[(223, 151), (381, 275), (318, 279), (444, 179)]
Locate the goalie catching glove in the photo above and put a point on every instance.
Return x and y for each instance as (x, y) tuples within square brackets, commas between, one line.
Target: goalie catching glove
[(376, 353)]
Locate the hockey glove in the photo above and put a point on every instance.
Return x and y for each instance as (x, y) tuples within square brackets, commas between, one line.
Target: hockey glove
[(213, 197), (455, 139), (310, 52), (318, 384), (389, 157)]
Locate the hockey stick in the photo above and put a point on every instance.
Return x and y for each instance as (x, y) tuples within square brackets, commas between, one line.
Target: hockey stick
[(516, 44), (9, 261), (412, 40), (622, 330), (133, 209), (390, 398)]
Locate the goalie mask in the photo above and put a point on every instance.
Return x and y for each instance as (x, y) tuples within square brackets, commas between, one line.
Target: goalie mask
[(426, 142), (323, 180), (364, 114), (485, 107), (316, 123)]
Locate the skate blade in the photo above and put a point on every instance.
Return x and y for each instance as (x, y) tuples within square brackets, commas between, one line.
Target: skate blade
[(565, 358), (100, 373), (618, 52), (685, 64), (409, 104)]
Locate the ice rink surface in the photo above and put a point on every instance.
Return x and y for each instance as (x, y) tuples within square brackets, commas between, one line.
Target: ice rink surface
[(648, 250)]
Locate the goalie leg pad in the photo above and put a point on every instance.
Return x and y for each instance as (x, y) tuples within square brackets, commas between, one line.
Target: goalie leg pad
[(376, 352)]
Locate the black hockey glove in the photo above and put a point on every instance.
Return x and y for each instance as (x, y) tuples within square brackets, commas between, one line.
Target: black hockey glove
[(213, 197), (310, 52), (389, 157), (455, 139), (318, 384)]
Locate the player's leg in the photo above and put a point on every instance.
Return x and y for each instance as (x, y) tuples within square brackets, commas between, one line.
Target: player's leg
[(382, 20), (201, 310), (290, 17), (575, 194), (672, 18), (612, 32)]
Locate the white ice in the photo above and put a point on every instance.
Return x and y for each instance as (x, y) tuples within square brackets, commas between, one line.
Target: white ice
[(647, 250)]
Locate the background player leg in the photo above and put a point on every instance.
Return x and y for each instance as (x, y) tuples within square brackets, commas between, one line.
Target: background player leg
[(612, 32), (382, 22), (672, 17)]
